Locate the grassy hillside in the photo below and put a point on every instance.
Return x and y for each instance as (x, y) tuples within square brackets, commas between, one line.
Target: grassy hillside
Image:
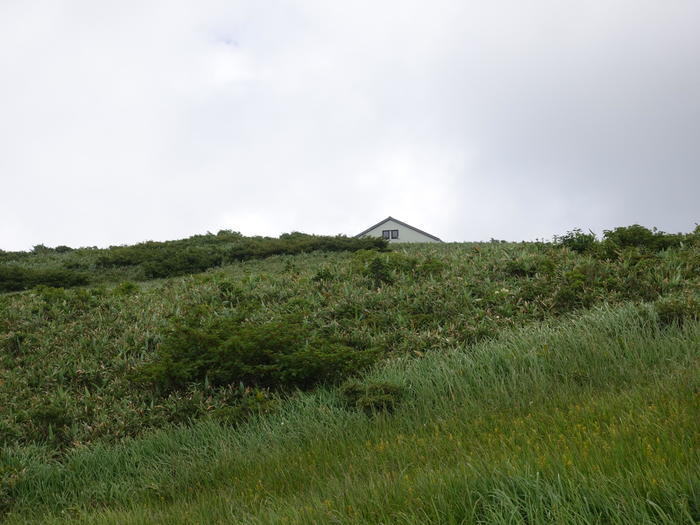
[(466, 383), (592, 421)]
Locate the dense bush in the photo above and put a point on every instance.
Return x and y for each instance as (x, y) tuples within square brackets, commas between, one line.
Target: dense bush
[(622, 238), (15, 278), (578, 241), (578, 287), (178, 262), (6, 257), (66, 267), (640, 237), (677, 309), (198, 253), (279, 354)]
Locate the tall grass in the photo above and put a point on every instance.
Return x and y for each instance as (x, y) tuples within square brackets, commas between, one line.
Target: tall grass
[(592, 420)]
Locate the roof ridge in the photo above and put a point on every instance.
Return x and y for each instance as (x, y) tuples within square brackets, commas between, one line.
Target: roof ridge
[(390, 218)]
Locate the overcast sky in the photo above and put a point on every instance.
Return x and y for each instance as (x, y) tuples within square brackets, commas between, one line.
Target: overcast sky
[(134, 120)]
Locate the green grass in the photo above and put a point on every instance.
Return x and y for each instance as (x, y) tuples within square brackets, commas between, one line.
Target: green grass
[(521, 383), (68, 358), (594, 420)]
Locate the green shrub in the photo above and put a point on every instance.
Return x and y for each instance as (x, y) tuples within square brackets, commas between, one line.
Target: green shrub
[(621, 238), (150, 260), (637, 273), (16, 278), (577, 288), (41, 249), (201, 252), (279, 354), (379, 271), (677, 309), (578, 241), (323, 275), (59, 278), (172, 262), (639, 237), (635, 235)]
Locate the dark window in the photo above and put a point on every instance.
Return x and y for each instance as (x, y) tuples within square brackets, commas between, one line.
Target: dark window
[(386, 234), (394, 234)]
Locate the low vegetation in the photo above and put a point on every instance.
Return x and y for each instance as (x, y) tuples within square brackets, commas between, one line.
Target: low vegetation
[(592, 420), (66, 267), (14, 278), (545, 381)]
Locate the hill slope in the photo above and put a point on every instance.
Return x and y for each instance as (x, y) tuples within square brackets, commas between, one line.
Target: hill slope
[(591, 421), (452, 383)]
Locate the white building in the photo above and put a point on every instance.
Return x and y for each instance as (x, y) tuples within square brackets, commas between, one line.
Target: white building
[(393, 230)]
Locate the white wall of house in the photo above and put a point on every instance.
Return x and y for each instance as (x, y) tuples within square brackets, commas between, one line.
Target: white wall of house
[(405, 234)]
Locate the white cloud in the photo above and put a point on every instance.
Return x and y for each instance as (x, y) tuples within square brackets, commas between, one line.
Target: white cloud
[(137, 120)]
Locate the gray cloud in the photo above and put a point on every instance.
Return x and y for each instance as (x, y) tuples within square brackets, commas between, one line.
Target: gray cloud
[(468, 119)]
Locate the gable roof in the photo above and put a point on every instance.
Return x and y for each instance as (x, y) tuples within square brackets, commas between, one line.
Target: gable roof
[(390, 218)]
